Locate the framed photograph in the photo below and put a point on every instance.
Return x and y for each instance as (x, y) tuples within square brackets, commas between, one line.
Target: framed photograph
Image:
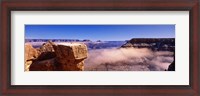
[(98, 47)]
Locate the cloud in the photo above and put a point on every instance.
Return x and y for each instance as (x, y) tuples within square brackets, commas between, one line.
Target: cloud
[(132, 59)]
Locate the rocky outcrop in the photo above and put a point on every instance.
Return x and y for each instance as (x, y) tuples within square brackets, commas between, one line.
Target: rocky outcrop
[(71, 55), (172, 66), (31, 54), (44, 65), (155, 44), (127, 45), (59, 57), (46, 51), (47, 47)]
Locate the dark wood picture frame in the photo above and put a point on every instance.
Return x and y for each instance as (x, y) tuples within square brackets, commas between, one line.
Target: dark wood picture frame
[(193, 89)]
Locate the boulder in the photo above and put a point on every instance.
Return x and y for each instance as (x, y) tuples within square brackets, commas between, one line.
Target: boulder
[(45, 65), (71, 55), (27, 65), (47, 47), (31, 54), (46, 51)]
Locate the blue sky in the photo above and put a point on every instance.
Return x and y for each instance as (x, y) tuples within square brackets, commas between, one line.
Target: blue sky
[(99, 32)]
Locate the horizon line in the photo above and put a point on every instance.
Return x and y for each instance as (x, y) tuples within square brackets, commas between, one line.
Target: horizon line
[(102, 40)]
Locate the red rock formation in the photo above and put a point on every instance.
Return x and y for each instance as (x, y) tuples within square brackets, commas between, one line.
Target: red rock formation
[(31, 54), (71, 56), (51, 57), (45, 65), (46, 51), (47, 47), (46, 58)]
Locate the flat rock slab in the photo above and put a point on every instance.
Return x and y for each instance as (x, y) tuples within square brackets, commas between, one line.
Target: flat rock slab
[(71, 51), (71, 55)]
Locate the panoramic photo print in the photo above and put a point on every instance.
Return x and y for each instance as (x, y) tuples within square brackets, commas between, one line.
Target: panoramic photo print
[(99, 48)]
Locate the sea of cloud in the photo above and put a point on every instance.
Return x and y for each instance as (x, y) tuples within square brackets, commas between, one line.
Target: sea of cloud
[(128, 59)]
